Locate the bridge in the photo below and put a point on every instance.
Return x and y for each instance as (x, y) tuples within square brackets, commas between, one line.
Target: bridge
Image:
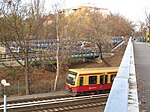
[(124, 95)]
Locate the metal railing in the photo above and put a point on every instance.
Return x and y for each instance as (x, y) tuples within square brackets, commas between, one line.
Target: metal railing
[(123, 95)]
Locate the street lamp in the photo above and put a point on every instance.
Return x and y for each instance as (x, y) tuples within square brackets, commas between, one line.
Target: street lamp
[(5, 84)]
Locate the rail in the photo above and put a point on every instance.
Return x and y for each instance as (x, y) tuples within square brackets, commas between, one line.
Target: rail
[(52, 101), (123, 95)]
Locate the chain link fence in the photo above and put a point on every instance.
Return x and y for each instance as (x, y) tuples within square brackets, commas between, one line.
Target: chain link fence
[(35, 88)]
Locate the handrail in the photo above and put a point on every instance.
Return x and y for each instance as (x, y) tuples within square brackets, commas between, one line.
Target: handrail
[(119, 99)]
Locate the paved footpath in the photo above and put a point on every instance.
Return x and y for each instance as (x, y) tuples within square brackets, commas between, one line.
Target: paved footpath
[(36, 96), (142, 67)]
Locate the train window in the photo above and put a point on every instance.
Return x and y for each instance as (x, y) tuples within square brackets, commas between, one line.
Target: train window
[(112, 78), (92, 79), (106, 79), (81, 81), (101, 79), (71, 77)]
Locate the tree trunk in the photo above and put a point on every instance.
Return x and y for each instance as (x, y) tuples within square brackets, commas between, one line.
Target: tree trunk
[(27, 76), (100, 49), (58, 67), (57, 54), (101, 56)]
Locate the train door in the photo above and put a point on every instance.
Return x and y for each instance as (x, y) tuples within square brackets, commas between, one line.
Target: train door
[(103, 81), (106, 79), (81, 83), (107, 85)]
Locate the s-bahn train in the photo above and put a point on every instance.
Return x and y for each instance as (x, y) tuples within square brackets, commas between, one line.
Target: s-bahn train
[(90, 80)]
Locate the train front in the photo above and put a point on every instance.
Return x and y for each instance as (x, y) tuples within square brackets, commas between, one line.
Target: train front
[(71, 83)]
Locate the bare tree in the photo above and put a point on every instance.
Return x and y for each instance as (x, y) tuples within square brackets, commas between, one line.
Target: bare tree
[(148, 26), (140, 29), (58, 26), (22, 23), (118, 25), (96, 28), (101, 27)]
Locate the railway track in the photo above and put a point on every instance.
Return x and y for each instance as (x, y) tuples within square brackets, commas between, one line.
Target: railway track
[(58, 104)]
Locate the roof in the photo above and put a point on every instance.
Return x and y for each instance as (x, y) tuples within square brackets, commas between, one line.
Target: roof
[(94, 70)]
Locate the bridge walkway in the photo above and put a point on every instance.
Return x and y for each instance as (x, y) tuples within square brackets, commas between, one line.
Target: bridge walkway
[(142, 67)]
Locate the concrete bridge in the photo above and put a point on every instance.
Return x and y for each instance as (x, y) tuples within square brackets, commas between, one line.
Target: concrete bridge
[(134, 68)]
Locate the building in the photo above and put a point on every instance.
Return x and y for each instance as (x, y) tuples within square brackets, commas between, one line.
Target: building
[(82, 8)]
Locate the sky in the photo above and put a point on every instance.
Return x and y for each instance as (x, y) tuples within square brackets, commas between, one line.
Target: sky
[(133, 10)]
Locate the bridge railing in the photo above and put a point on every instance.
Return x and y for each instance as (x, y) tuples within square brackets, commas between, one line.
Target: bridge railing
[(123, 95)]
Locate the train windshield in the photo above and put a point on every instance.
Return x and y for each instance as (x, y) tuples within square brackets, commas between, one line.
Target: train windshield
[(71, 77)]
